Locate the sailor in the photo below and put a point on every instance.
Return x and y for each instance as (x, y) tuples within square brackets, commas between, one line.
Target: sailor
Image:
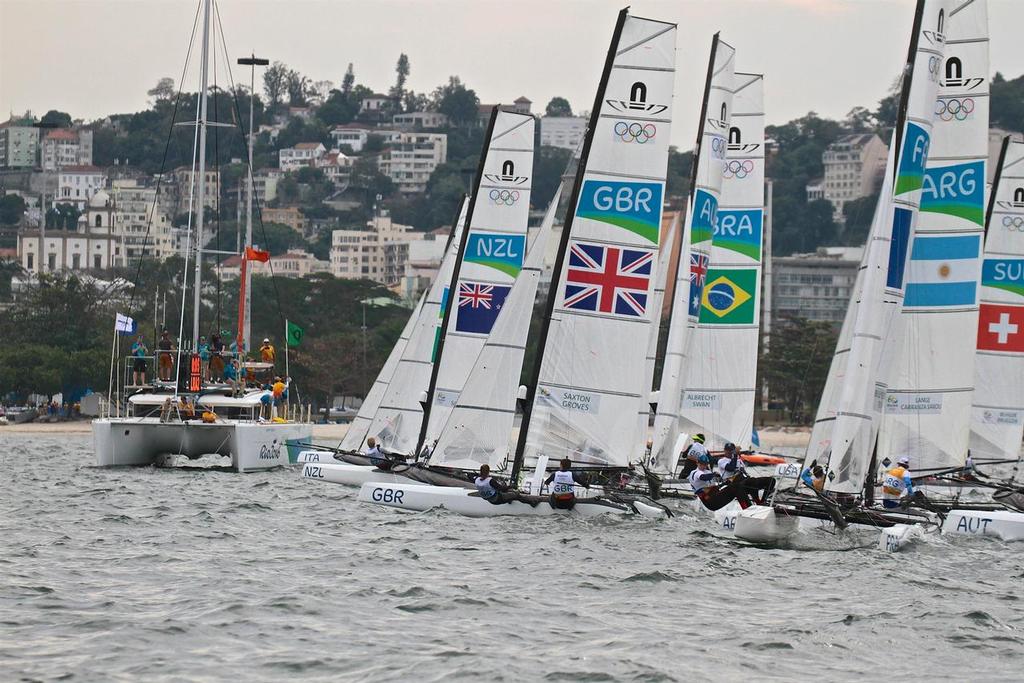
[(897, 484), (267, 352), (732, 468), (374, 453), (711, 490), (968, 472), (562, 482), (814, 477), (692, 453), (497, 492), (139, 352)]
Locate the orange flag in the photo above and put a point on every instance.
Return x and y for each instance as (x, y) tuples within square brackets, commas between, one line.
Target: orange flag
[(256, 255)]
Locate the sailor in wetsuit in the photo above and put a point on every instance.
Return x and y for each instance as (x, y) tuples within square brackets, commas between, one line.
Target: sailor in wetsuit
[(562, 482), (692, 453), (497, 492), (376, 455), (711, 490), (732, 469)]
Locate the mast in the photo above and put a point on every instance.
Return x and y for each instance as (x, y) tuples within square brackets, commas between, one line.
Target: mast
[(563, 243), (995, 182), (201, 194), (908, 78), (251, 61), (453, 284)]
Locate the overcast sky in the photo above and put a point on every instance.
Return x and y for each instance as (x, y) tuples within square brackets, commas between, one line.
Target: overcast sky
[(96, 57)]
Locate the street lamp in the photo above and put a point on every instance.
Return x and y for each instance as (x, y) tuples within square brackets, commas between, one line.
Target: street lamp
[(251, 61)]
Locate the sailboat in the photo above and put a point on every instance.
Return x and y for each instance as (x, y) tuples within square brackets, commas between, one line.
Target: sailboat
[(589, 399), (190, 417)]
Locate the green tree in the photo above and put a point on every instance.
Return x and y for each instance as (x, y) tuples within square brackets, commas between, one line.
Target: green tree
[(857, 215), (162, 91), (12, 208), (275, 83), (348, 80), (397, 92), (457, 102), (796, 364), (57, 118), (558, 106), (298, 88), (548, 166), (1007, 102)]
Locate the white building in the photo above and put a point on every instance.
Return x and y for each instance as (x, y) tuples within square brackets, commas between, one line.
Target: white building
[(77, 184), (378, 253), (66, 147), (140, 221), (336, 166), (302, 154), (297, 264), (409, 158), (374, 104), (351, 134), (420, 120), (183, 178), (19, 143), (93, 245), (562, 131), (853, 165), (815, 286), (424, 262)]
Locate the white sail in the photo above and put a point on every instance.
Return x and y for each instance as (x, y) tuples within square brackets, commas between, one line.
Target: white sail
[(397, 422), (998, 411), (882, 278), (590, 399), (360, 425), (927, 410), (668, 246), (701, 215), (720, 375), (495, 248), (479, 427)]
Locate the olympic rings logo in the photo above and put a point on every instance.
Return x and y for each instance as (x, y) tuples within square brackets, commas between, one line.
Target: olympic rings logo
[(718, 147), (738, 169), (954, 108), (1014, 223), (504, 197), (635, 132)]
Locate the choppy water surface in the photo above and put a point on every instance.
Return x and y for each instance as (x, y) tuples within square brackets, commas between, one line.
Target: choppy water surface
[(150, 574)]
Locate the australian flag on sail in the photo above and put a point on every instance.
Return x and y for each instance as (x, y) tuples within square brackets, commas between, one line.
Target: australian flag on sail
[(698, 273), (479, 306), (607, 279)]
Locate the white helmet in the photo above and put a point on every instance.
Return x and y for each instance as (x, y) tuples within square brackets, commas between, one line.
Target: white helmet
[(905, 461)]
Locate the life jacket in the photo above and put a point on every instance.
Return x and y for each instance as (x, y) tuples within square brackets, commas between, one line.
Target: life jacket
[(484, 487), (893, 484), (561, 486), (699, 484), (726, 474)]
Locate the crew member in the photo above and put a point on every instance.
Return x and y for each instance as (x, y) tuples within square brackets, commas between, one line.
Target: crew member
[(814, 477), (204, 358), (497, 492), (562, 482), (711, 490), (139, 352), (267, 352), (166, 362), (376, 455), (897, 484), (692, 453), (216, 358), (732, 468)]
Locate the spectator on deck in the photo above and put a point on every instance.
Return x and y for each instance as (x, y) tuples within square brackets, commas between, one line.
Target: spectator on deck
[(166, 361), (139, 353)]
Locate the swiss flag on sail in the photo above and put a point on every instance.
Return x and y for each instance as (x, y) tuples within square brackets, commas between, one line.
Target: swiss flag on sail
[(256, 254), (1001, 328)]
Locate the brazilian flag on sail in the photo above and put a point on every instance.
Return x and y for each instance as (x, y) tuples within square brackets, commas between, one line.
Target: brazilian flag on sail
[(729, 296)]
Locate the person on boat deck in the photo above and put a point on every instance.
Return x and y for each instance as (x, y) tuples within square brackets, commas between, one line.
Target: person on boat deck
[(497, 492), (897, 484), (692, 453), (374, 453), (732, 468), (968, 472), (711, 490), (268, 354), (814, 477), (139, 352), (204, 358), (562, 482), (166, 362), (216, 358), (233, 376)]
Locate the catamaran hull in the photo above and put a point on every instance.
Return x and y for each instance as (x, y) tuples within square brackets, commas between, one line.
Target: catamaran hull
[(1003, 524), (762, 524), (147, 441), (420, 498), (313, 455), (348, 475)]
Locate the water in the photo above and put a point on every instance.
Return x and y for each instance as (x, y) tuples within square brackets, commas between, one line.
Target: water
[(148, 574)]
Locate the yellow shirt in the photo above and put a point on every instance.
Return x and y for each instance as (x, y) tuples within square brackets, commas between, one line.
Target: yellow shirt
[(267, 353)]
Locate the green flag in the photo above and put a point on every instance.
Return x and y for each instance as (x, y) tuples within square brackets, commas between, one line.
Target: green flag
[(294, 334)]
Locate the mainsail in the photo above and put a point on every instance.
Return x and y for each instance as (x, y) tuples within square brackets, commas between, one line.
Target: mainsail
[(998, 411), (668, 246), (720, 375), (702, 208), (590, 392), (397, 422), (927, 410), (360, 425), (881, 280), (479, 428)]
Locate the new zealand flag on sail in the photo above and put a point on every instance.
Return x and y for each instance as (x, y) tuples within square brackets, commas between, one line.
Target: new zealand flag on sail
[(479, 306), (606, 279)]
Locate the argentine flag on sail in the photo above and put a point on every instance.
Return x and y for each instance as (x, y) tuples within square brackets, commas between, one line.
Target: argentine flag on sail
[(943, 271)]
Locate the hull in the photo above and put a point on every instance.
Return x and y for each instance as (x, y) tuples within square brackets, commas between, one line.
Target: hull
[(1003, 524), (761, 524), (420, 498), (335, 472), (312, 455), (895, 538), (147, 441)]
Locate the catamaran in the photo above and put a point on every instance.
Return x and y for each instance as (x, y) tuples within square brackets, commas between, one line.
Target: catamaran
[(191, 416)]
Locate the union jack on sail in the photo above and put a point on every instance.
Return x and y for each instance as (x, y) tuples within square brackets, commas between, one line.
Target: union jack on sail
[(607, 279)]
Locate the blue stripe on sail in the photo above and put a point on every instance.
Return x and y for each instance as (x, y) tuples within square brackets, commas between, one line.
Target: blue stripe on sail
[(901, 223), (941, 294), (945, 248)]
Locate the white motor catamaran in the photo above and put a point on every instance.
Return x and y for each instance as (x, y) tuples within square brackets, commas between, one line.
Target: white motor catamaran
[(190, 417)]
